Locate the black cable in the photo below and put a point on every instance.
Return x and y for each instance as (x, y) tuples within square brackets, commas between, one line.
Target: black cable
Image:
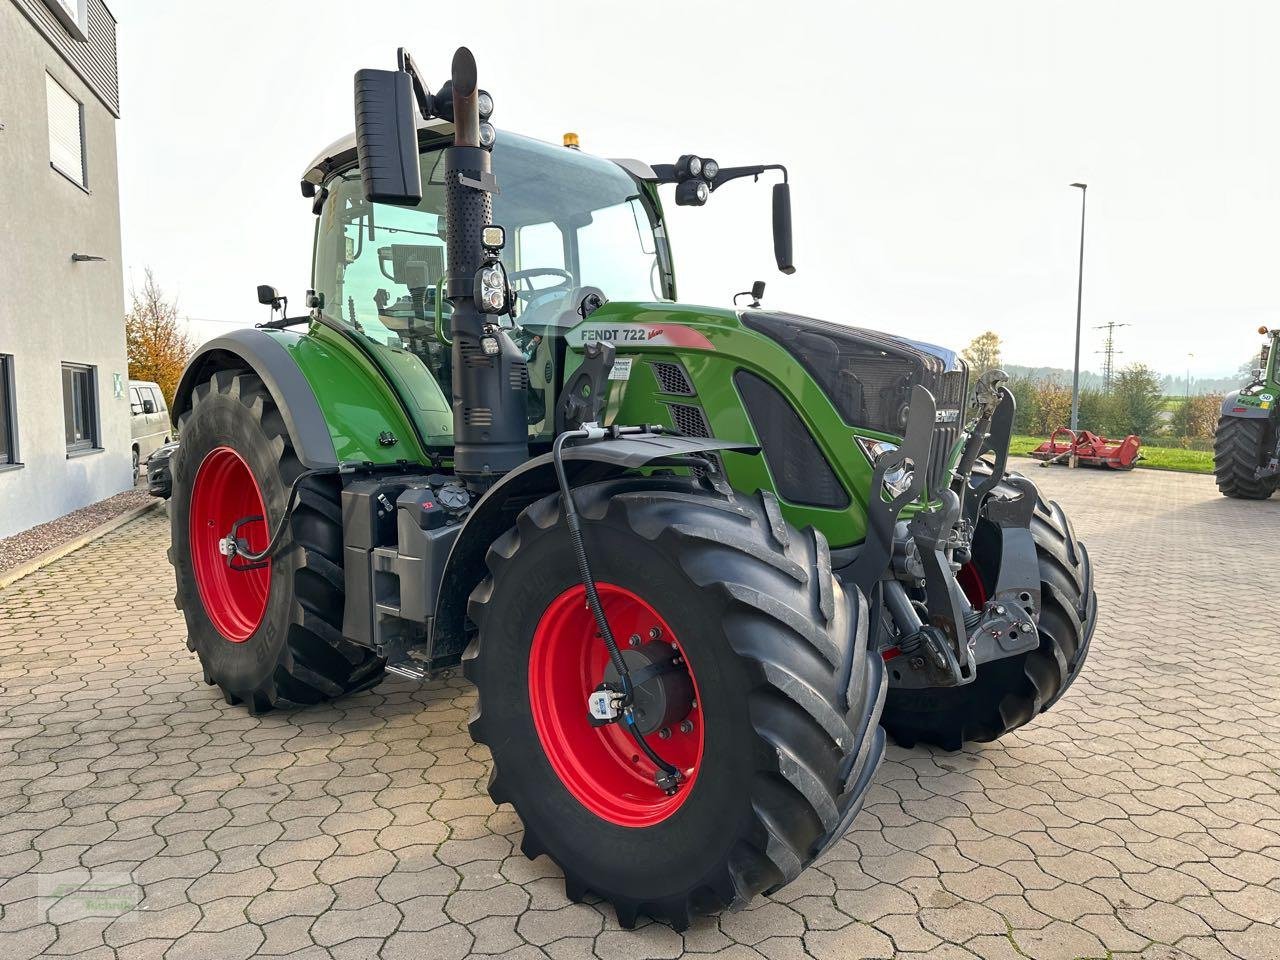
[(593, 601), (274, 543)]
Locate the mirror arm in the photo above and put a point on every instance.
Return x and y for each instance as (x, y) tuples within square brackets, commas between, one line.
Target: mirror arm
[(426, 102), (736, 173)]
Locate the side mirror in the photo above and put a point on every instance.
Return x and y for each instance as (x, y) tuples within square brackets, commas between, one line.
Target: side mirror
[(268, 296), (387, 137), (148, 406), (757, 290), (782, 227)]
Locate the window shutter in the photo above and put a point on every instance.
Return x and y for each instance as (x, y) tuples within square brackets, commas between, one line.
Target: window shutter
[(66, 131)]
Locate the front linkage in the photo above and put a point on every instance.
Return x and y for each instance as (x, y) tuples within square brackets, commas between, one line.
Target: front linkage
[(942, 639)]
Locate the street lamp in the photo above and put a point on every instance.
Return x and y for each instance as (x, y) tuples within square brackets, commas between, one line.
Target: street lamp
[(1075, 374)]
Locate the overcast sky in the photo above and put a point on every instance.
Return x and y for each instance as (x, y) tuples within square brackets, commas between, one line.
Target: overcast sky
[(930, 147)]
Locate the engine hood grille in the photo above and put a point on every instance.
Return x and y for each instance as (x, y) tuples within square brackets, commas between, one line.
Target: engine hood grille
[(866, 374)]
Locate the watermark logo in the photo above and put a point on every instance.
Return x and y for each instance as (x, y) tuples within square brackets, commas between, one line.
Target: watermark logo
[(74, 894)]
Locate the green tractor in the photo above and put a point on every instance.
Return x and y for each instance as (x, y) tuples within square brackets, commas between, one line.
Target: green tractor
[(1246, 447), (696, 561)]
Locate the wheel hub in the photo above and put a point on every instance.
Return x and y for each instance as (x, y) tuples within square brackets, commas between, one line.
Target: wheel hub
[(663, 694)]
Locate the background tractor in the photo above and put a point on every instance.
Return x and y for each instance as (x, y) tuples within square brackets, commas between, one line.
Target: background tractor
[(1246, 447), (689, 557)]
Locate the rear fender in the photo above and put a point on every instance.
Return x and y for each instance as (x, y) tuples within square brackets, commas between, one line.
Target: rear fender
[(496, 512)]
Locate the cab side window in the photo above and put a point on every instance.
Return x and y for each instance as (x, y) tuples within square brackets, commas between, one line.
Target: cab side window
[(135, 401)]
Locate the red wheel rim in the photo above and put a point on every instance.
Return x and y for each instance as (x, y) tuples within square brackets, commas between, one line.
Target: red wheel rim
[(224, 492), (602, 766), (970, 581)]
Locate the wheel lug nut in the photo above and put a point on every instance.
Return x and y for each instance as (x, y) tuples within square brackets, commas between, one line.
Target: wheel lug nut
[(634, 640), (655, 633), (664, 733), (686, 726)]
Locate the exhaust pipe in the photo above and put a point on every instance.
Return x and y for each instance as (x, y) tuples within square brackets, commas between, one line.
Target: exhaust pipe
[(490, 428)]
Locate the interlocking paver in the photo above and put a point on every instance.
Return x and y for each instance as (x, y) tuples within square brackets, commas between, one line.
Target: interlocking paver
[(1140, 818)]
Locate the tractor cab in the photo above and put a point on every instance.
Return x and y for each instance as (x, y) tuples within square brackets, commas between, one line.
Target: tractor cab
[(572, 222)]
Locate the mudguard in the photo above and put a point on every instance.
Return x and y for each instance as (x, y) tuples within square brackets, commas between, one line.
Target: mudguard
[(1254, 407), (498, 508), (271, 361)]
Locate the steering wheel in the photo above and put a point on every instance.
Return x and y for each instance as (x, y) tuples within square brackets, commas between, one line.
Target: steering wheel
[(516, 276)]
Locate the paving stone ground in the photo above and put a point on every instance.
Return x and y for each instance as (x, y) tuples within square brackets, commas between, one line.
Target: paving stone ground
[(1140, 817)]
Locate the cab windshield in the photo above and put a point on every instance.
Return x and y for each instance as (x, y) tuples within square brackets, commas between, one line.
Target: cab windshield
[(572, 220)]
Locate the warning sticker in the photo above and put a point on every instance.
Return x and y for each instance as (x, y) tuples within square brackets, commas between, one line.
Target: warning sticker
[(621, 369)]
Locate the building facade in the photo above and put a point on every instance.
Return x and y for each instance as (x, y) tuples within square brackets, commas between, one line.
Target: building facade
[(64, 408)]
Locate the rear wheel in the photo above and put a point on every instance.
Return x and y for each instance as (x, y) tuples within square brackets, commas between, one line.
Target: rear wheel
[(768, 701), (270, 635), (1238, 448), (1008, 693)]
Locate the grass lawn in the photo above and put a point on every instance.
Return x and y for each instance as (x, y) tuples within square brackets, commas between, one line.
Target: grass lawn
[(1153, 458)]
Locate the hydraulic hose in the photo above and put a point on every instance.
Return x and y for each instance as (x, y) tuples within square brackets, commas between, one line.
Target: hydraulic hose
[(274, 543), (671, 773)]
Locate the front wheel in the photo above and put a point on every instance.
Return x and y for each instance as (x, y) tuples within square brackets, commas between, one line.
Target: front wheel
[(762, 693), (1010, 692), (1239, 446)]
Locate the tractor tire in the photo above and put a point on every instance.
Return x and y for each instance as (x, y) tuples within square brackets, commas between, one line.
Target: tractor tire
[(778, 744), (1010, 692), (272, 636), (1238, 446)]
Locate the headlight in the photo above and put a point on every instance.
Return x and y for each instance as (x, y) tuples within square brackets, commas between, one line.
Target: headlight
[(898, 480), (490, 287), (487, 134), (489, 345), (709, 169), (485, 104)]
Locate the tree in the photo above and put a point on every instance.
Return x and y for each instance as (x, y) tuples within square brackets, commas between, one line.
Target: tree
[(1052, 407), (1138, 398), (983, 352), (157, 346), (1197, 417)]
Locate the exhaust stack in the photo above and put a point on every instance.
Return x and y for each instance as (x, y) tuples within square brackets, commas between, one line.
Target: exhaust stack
[(490, 429)]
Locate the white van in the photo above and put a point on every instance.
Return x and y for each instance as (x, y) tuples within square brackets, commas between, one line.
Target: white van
[(148, 421)]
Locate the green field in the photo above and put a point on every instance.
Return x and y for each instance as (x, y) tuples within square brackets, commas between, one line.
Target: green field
[(1153, 458)]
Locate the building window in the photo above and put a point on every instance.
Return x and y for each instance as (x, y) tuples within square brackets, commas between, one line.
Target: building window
[(8, 416), (72, 14), (66, 131), (80, 406)]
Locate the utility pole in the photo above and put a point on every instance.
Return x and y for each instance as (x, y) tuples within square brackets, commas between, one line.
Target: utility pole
[(1190, 357), (1075, 374), (1108, 352)]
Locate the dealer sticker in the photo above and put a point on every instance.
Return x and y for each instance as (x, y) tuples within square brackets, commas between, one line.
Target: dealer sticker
[(621, 369)]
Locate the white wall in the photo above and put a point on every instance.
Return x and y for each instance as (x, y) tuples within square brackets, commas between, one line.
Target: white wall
[(51, 309)]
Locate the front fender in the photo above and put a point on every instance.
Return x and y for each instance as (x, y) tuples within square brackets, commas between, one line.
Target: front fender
[(1248, 407), (498, 508)]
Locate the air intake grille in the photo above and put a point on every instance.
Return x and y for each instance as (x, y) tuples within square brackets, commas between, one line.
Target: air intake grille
[(689, 420), (478, 416), (799, 469), (519, 375), (672, 378)]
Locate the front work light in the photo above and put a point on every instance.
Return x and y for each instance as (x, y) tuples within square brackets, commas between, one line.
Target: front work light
[(688, 165), (692, 193), (709, 170)]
